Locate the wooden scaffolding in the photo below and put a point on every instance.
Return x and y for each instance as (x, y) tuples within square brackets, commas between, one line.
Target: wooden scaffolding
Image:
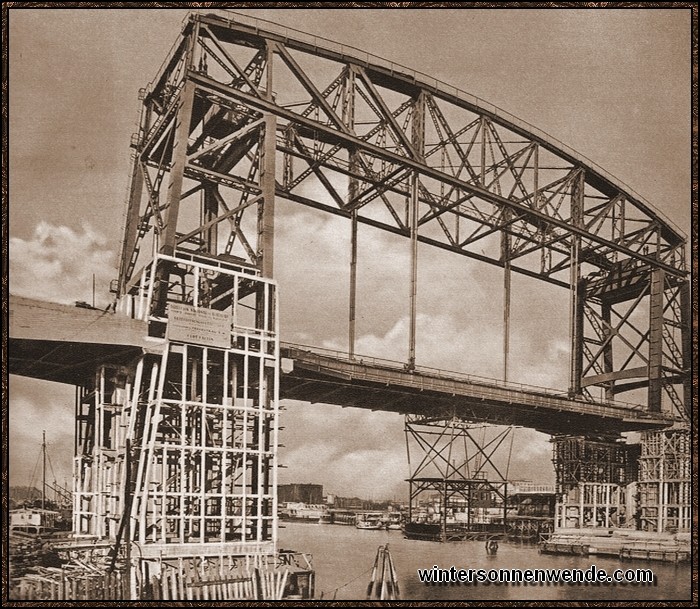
[(591, 475), (664, 481), (176, 453)]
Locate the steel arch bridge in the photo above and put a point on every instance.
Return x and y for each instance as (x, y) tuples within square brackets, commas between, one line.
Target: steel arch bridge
[(244, 110), (178, 389)]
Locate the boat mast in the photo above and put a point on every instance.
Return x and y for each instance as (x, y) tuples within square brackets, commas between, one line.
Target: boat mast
[(43, 472)]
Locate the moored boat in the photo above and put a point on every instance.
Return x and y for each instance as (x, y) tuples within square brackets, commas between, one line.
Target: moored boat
[(371, 522), (393, 521), (302, 512)]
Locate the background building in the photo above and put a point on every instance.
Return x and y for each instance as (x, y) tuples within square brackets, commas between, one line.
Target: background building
[(300, 493)]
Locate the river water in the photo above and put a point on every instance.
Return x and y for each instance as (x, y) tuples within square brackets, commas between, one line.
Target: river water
[(343, 557)]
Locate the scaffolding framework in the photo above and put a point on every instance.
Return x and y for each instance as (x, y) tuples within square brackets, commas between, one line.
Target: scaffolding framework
[(448, 459), (176, 453), (592, 505), (578, 459), (664, 481), (591, 476)]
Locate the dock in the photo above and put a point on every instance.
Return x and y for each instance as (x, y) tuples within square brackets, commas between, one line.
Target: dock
[(622, 544)]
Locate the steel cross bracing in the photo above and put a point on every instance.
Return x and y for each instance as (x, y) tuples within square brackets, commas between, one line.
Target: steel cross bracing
[(244, 111), (455, 461)]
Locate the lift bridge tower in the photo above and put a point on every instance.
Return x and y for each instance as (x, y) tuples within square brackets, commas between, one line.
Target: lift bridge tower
[(176, 452)]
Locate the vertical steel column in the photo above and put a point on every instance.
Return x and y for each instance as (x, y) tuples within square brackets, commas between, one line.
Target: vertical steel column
[(418, 145), (133, 209), (505, 258), (287, 158), (414, 272), (266, 207), (686, 345), (210, 212), (182, 131), (656, 325), (577, 288), (269, 57), (406, 430), (536, 203), (443, 512), (536, 177), (353, 187), (482, 126), (606, 309), (179, 153), (353, 284)]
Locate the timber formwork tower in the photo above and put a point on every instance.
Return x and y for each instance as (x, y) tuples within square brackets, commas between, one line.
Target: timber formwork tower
[(664, 488)]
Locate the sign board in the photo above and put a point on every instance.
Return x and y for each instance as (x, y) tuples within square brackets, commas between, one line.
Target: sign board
[(205, 327)]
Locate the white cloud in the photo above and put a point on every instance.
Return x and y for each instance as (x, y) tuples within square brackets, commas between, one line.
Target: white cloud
[(57, 264)]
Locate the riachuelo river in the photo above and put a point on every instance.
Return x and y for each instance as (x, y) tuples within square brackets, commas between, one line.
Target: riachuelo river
[(343, 557)]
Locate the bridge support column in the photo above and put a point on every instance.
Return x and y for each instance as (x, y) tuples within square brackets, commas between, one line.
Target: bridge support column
[(447, 457), (578, 292), (608, 362), (418, 146), (266, 207), (591, 478), (656, 327), (353, 190), (414, 273), (505, 257), (177, 453)]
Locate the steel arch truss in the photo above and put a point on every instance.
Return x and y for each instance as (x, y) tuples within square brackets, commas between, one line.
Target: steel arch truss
[(244, 111)]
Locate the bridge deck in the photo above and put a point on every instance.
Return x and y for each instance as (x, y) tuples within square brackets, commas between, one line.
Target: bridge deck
[(63, 343), (381, 385)]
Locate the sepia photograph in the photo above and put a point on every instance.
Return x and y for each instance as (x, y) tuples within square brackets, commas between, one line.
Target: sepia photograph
[(374, 303)]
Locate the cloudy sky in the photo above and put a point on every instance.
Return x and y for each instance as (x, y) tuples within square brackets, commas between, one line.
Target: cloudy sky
[(614, 85)]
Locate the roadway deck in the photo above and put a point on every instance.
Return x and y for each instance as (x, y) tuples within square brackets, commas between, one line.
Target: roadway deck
[(382, 385), (64, 343)]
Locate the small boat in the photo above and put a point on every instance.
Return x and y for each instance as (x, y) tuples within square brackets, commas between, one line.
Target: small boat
[(301, 512), (393, 522), (336, 516), (427, 531), (369, 525), (371, 522)]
